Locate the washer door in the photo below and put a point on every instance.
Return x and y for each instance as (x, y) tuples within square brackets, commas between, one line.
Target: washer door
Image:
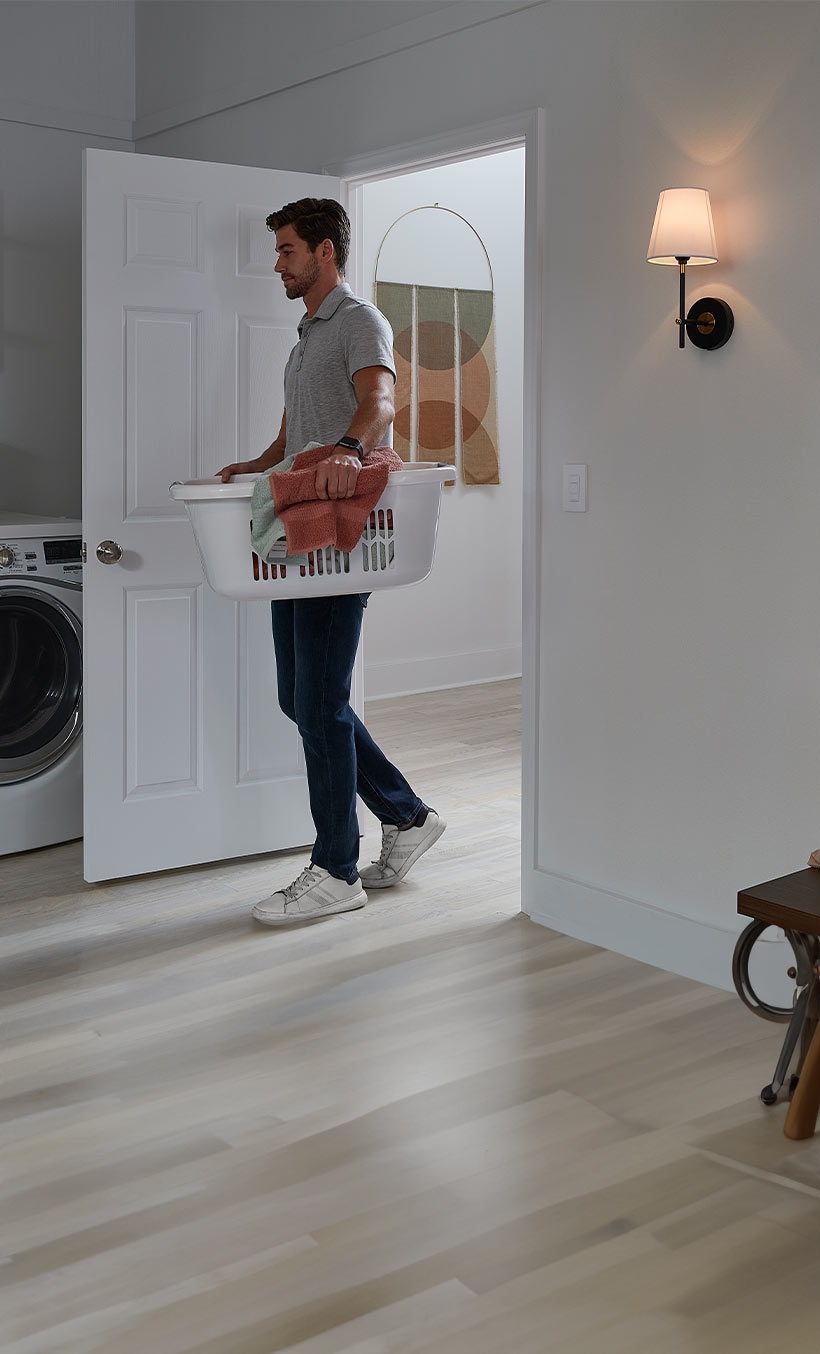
[(41, 681)]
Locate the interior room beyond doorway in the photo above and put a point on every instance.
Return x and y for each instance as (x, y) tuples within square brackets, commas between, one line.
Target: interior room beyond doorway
[(463, 625)]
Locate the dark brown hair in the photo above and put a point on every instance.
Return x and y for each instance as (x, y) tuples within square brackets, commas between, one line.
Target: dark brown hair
[(316, 219)]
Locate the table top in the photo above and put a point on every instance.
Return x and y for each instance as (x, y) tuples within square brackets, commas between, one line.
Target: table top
[(793, 901)]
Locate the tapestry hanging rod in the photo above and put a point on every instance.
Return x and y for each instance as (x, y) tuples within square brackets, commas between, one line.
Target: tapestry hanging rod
[(433, 207)]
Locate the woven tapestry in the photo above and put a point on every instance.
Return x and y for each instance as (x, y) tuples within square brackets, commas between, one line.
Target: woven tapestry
[(444, 344), (396, 303), (479, 413), (436, 355)]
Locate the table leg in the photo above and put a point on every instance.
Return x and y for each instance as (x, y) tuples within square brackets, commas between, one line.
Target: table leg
[(801, 1119)]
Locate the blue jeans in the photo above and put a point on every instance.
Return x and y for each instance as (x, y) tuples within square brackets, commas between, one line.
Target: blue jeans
[(315, 639)]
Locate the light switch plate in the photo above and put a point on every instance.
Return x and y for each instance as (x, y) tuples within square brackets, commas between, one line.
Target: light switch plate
[(575, 488)]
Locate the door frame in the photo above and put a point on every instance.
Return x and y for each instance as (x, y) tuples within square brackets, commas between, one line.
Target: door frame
[(527, 129)]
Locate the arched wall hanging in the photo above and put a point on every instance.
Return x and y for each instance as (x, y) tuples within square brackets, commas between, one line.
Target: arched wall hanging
[(444, 344)]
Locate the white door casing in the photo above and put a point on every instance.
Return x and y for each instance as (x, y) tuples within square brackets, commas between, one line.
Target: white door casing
[(186, 333)]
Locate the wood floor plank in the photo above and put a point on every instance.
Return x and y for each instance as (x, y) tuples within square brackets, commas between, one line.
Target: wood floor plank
[(427, 1126)]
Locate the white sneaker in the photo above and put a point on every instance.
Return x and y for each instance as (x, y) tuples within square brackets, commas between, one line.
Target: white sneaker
[(400, 850), (314, 894)]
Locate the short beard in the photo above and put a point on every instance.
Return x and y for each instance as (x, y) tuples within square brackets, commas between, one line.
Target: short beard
[(303, 283)]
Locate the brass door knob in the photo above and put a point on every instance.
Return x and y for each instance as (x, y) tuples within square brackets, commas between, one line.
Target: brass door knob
[(108, 552)]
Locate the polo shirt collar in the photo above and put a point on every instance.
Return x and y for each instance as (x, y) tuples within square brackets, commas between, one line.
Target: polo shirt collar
[(330, 304)]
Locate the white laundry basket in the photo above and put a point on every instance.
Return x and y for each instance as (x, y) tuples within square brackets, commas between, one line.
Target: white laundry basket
[(395, 549)]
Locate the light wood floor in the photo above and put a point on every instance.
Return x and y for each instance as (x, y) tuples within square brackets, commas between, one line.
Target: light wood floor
[(428, 1126)]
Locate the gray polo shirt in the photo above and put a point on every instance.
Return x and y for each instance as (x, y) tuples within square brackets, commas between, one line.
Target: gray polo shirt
[(345, 335)]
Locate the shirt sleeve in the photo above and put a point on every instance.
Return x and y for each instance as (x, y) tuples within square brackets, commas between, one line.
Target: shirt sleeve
[(367, 340)]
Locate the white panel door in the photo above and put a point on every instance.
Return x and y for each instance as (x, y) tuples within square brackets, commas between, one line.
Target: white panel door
[(186, 332)]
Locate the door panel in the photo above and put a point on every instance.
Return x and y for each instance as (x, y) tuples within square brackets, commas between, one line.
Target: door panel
[(162, 397), (163, 702)]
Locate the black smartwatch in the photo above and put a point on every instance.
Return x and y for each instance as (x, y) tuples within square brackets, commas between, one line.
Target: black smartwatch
[(352, 444)]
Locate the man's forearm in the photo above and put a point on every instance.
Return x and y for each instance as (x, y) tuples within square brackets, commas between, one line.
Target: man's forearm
[(269, 458), (372, 420), (275, 453)]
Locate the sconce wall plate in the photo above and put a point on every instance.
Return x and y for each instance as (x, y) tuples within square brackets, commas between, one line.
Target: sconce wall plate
[(709, 323)]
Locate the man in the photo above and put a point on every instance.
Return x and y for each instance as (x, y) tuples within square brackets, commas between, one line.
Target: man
[(339, 383)]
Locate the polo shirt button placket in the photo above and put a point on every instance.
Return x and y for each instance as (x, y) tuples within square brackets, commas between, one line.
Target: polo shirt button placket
[(303, 344)]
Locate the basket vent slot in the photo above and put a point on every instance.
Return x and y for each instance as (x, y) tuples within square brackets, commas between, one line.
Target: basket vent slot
[(378, 546)]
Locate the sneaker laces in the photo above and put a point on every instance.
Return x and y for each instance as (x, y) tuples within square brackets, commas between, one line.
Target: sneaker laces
[(389, 835), (298, 887)]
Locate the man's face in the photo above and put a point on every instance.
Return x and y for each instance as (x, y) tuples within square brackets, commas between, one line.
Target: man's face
[(297, 264)]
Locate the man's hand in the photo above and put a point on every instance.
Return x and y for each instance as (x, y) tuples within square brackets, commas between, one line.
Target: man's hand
[(256, 467), (336, 477)]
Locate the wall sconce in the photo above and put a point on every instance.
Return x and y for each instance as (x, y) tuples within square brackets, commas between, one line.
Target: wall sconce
[(683, 233)]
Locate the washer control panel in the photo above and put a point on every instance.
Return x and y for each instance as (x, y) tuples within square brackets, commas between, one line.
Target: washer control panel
[(58, 557)]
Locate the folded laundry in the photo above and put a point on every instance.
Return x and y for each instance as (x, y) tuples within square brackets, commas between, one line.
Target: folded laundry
[(311, 523), (267, 528)]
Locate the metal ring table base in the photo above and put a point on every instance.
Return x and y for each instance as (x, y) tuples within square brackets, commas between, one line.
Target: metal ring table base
[(806, 949)]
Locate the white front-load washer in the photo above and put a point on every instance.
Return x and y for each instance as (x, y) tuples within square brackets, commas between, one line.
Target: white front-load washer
[(41, 681)]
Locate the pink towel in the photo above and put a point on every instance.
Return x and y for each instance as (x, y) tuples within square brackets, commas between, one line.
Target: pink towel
[(311, 523)]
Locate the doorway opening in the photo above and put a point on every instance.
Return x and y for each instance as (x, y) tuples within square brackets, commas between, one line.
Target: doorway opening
[(461, 635), (456, 225)]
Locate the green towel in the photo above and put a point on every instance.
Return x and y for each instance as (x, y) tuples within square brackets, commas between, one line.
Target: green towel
[(266, 527)]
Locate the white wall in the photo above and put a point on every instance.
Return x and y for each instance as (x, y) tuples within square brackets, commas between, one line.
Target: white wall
[(67, 82), (678, 700), (679, 679), (463, 624)]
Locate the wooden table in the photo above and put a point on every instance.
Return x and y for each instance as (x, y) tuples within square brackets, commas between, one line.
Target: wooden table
[(793, 903)]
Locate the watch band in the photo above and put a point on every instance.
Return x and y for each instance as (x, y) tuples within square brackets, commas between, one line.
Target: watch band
[(352, 444)]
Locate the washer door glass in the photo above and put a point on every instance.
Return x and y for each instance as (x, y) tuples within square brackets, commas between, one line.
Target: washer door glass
[(41, 678)]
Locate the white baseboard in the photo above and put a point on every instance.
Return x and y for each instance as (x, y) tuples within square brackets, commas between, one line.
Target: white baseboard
[(667, 940), (408, 677)]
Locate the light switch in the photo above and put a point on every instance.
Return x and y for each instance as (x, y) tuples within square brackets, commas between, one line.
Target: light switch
[(575, 488)]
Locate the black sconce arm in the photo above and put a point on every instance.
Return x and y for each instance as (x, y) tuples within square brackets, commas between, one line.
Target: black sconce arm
[(710, 321)]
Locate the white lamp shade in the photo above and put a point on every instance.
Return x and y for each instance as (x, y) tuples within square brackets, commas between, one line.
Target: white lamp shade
[(683, 228)]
